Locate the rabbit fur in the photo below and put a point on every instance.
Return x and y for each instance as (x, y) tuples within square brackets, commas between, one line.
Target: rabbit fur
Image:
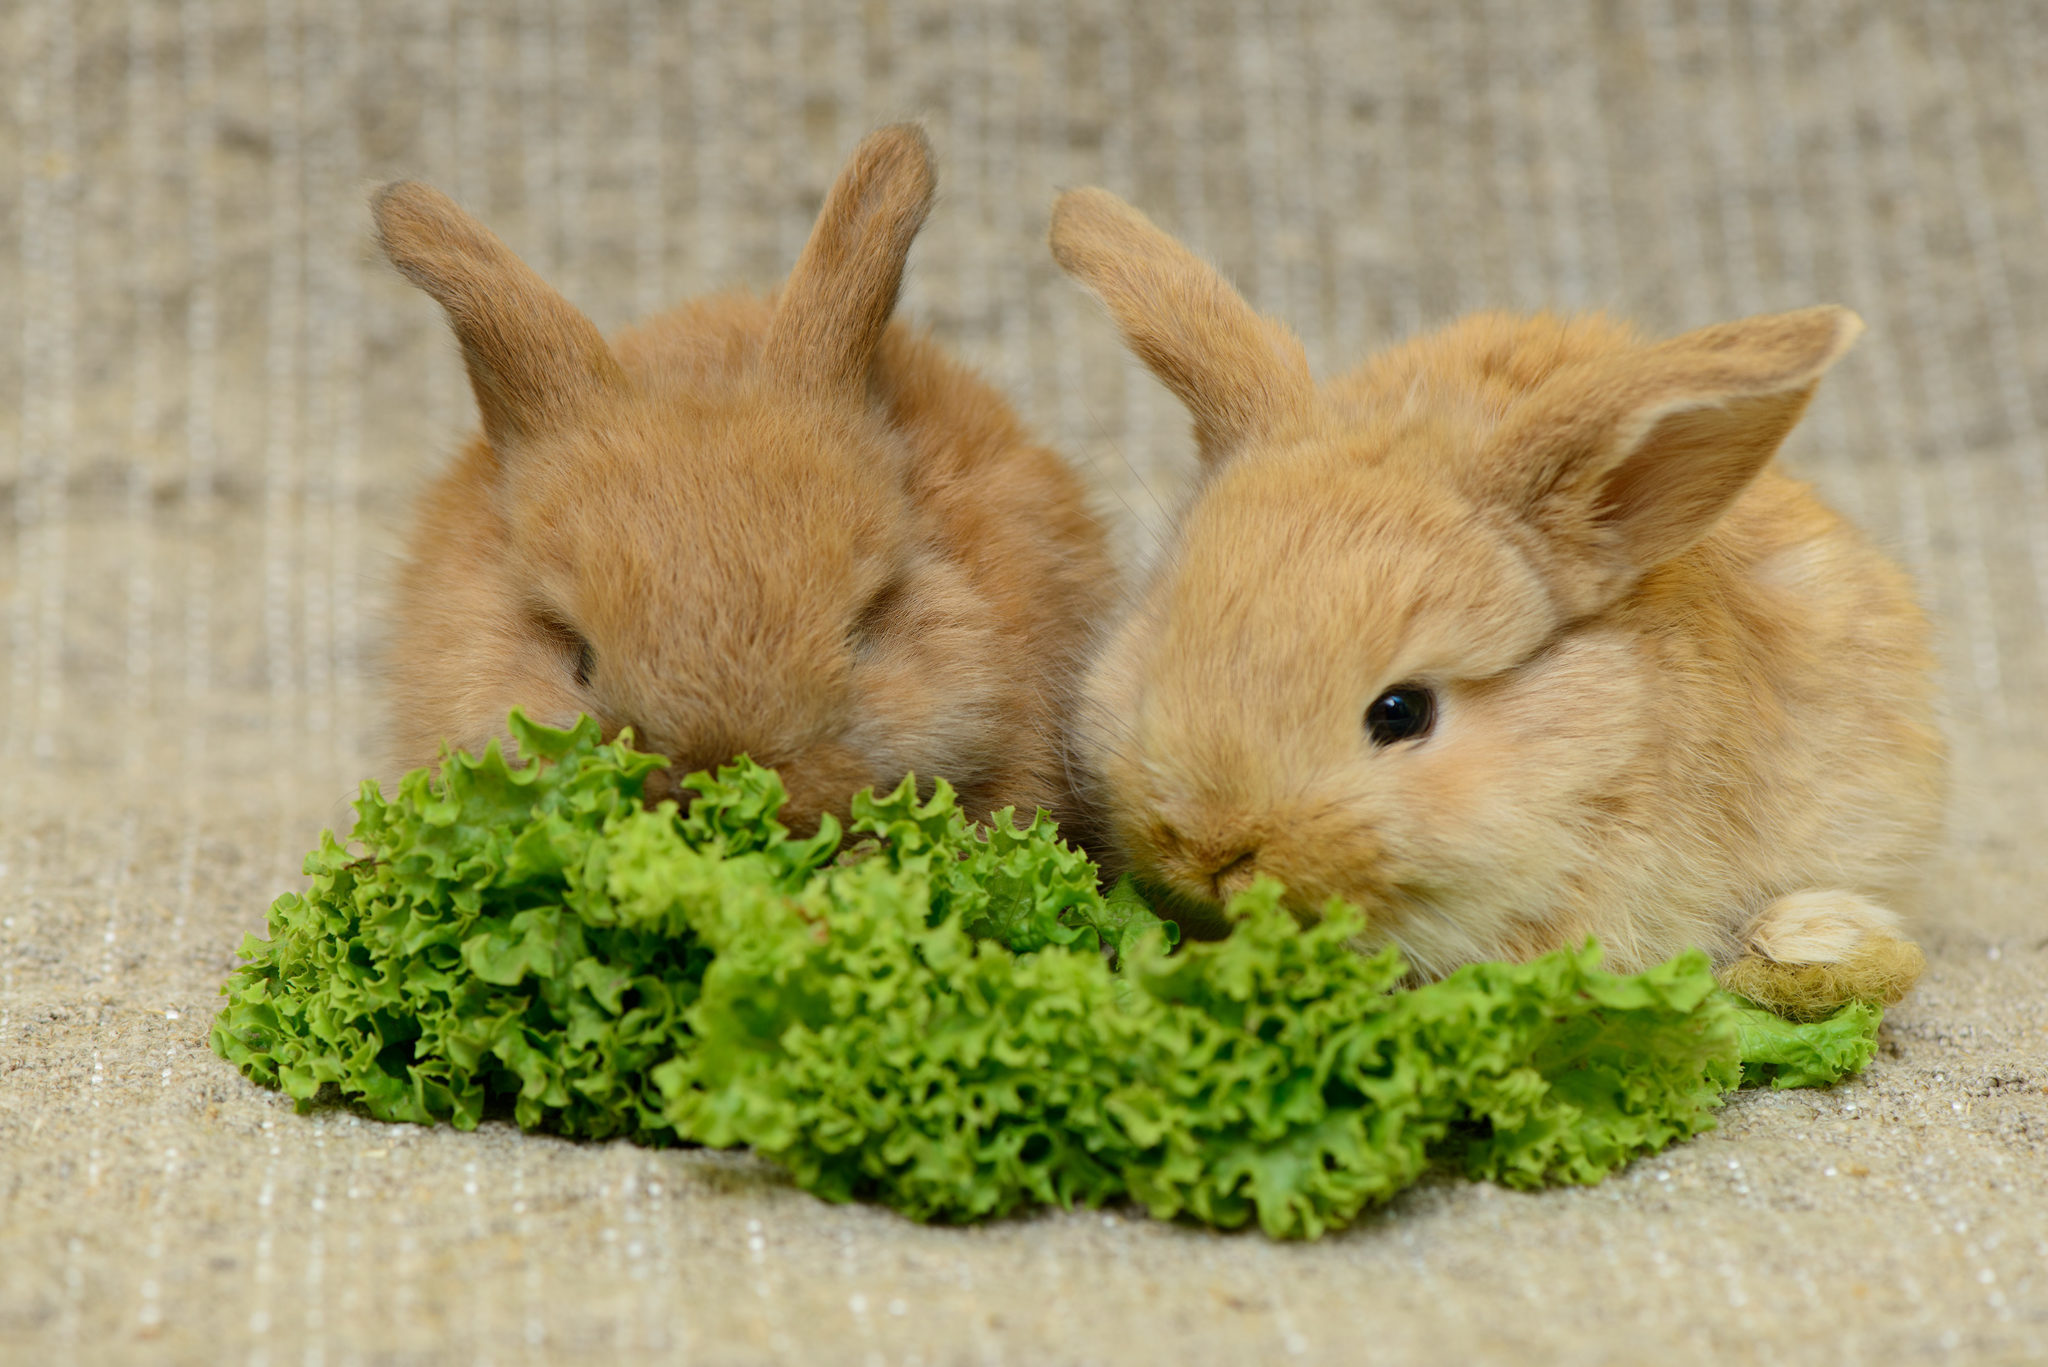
[(1678, 700), (783, 526)]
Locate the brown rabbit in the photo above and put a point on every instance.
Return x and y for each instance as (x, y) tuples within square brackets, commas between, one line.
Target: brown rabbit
[(782, 526), (1512, 636)]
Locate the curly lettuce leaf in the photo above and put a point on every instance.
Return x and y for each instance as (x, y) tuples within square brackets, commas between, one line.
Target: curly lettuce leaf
[(948, 1018), (1781, 1053)]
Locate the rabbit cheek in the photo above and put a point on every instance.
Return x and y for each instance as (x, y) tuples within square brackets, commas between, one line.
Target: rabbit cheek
[(1505, 822), (930, 708), (823, 779), (460, 675)]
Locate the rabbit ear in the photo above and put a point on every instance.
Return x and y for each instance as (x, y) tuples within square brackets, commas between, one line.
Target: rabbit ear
[(1238, 372), (534, 361), (844, 284), (1629, 462)]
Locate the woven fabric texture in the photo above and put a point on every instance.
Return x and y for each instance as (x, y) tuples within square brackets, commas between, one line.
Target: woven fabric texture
[(216, 405)]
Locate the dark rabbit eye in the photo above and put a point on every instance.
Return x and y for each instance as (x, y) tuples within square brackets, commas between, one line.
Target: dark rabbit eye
[(1404, 712), (877, 617), (582, 659)]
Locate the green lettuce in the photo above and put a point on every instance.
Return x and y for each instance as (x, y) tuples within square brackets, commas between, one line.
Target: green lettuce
[(1782, 1053), (948, 1018)]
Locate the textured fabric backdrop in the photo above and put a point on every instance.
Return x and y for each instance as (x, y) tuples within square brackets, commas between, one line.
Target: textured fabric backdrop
[(215, 406)]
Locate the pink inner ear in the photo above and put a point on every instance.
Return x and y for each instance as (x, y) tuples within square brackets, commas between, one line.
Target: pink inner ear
[(1687, 470)]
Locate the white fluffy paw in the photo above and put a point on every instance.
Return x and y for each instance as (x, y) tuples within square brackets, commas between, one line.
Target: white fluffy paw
[(1825, 926), (1810, 953)]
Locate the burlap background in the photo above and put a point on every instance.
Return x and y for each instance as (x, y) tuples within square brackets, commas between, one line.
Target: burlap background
[(214, 407)]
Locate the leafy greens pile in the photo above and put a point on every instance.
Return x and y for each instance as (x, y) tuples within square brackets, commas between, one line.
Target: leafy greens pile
[(944, 1017)]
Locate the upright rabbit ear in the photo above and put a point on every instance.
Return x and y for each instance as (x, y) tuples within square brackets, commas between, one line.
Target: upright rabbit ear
[(844, 284), (1239, 373), (534, 361), (1625, 463)]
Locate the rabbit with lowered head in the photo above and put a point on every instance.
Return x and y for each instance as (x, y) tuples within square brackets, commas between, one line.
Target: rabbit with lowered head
[(1511, 636), (782, 526)]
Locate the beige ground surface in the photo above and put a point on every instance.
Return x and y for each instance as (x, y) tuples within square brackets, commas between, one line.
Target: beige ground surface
[(214, 408)]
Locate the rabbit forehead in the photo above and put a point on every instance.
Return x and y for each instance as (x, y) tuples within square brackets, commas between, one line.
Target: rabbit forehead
[(681, 499), (1339, 581)]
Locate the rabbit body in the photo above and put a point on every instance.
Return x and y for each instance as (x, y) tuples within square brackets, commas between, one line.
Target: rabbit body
[(1655, 691), (787, 527)]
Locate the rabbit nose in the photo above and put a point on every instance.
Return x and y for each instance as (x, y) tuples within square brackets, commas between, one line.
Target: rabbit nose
[(1222, 862), (1235, 876), (662, 784)]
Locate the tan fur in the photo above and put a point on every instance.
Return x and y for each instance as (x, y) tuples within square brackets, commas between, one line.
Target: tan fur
[(1859, 957), (1812, 951), (1819, 927), (786, 527), (1672, 687)]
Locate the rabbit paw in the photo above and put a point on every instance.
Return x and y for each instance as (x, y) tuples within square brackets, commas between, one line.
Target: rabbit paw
[(1813, 952)]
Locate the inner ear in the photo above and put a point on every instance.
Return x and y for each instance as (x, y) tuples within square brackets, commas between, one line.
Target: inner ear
[(1622, 462), (1689, 467)]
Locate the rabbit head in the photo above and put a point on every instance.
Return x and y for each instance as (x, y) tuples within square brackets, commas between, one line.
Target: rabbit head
[(703, 533), (1401, 649)]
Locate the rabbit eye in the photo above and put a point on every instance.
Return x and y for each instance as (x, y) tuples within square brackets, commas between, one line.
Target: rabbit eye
[(582, 659), (1403, 712), (877, 617)]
